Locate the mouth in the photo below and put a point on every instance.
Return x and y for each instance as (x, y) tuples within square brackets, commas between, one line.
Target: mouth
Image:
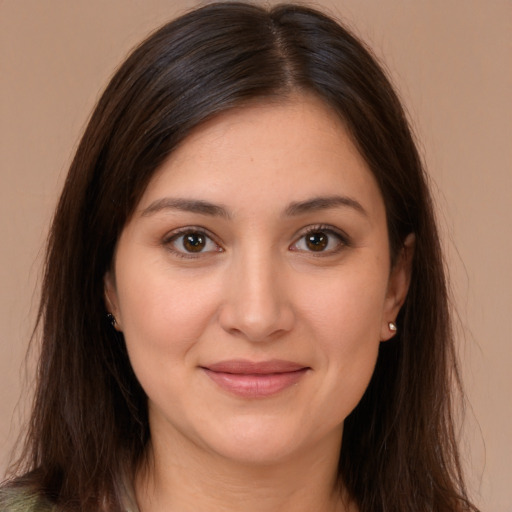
[(248, 379)]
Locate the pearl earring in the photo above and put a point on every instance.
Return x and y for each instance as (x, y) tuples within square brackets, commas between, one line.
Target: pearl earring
[(392, 326)]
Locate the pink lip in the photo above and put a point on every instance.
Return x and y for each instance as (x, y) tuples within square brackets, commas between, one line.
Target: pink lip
[(249, 379)]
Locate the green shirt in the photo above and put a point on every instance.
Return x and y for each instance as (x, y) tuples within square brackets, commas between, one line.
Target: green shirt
[(18, 500), (14, 499)]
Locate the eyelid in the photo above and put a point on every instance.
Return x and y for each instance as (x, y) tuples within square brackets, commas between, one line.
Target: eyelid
[(175, 234), (328, 229)]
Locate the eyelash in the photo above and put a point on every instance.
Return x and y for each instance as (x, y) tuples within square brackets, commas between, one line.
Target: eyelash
[(330, 231), (191, 230)]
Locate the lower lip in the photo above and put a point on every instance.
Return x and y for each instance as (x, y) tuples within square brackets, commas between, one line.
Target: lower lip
[(255, 385)]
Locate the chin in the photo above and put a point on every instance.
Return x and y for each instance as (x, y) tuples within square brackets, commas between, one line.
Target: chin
[(263, 441)]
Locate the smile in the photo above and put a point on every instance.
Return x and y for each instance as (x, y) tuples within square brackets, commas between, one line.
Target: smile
[(247, 379)]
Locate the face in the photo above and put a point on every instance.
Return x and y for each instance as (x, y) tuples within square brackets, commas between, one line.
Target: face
[(253, 284)]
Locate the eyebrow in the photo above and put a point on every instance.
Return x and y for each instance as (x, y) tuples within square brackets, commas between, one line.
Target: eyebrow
[(324, 203), (186, 205), (293, 209)]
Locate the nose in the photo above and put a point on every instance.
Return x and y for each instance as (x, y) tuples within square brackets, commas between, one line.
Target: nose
[(257, 302)]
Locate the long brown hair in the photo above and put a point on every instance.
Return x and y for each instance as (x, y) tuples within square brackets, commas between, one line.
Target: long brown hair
[(89, 425)]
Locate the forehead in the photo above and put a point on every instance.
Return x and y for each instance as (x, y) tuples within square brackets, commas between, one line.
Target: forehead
[(267, 154)]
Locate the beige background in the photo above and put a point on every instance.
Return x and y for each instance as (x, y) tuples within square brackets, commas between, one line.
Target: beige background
[(451, 60)]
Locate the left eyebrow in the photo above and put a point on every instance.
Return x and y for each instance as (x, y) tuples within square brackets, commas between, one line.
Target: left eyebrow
[(324, 203)]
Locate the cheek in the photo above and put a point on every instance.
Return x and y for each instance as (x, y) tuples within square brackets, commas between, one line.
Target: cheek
[(163, 315), (345, 319), (347, 306)]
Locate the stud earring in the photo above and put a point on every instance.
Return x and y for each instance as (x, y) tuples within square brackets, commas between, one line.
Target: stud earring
[(112, 319), (392, 326)]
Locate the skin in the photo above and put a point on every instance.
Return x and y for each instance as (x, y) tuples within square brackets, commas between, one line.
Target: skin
[(256, 291)]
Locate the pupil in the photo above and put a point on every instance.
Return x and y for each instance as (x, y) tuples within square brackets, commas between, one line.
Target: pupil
[(316, 241), (194, 242)]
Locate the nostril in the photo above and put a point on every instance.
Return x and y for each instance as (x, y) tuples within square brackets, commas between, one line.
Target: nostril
[(256, 323)]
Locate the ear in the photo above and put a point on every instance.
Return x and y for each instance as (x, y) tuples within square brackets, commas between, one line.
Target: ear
[(398, 286), (111, 299)]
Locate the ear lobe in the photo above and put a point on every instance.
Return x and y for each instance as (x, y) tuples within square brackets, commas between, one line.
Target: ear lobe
[(111, 301), (398, 286)]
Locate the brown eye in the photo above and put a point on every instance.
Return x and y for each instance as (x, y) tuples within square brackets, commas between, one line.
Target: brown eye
[(194, 242), (191, 243), (321, 240), (317, 241)]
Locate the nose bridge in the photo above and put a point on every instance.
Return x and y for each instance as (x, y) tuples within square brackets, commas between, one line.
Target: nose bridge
[(257, 304)]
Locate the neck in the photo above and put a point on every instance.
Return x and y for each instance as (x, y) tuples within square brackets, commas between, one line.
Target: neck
[(171, 480)]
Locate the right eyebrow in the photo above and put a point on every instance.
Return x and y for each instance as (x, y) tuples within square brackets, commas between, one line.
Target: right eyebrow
[(186, 205)]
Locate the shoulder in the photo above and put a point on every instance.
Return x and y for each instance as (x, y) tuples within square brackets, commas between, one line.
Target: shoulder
[(19, 499)]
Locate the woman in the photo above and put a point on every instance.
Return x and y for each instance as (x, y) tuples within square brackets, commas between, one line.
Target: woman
[(244, 305)]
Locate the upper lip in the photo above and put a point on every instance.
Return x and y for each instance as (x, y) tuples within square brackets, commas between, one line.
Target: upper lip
[(246, 367)]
